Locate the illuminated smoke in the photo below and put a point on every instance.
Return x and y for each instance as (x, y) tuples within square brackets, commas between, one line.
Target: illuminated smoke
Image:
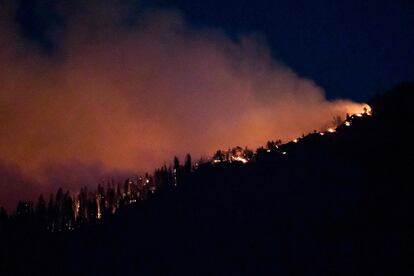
[(123, 100)]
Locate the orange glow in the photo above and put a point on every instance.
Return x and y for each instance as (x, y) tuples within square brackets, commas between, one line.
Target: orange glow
[(240, 159), (121, 102), (368, 110)]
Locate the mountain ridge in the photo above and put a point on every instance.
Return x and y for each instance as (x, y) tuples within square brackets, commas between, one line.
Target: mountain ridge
[(333, 204)]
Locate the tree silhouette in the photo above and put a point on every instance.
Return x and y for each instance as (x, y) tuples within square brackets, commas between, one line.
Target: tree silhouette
[(219, 155), (187, 164), (248, 153), (3, 219), (67, 212), (273, 145), (177, 171), (51, 213), (41, 211)]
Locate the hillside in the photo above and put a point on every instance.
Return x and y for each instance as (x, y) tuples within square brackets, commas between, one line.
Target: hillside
[(332, 204)]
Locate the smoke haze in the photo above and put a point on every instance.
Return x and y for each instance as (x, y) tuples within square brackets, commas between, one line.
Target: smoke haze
[(113, 100)]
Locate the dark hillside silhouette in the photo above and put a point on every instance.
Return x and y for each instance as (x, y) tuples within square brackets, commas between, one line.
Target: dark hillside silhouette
[(333, 203)]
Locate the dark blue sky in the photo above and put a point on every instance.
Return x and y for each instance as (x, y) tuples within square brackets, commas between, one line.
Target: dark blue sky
[(352, 49)]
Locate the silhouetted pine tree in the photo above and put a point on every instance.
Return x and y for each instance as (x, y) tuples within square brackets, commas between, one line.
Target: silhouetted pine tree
[(67, 212), (51, 213), (176, 171), (41, 211), (187, 164), (3, 219)]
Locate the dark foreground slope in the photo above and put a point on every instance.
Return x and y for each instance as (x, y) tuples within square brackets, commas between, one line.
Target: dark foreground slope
[(338, 204)]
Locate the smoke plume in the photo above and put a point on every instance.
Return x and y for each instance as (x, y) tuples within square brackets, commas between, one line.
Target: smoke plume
[(114, 98)]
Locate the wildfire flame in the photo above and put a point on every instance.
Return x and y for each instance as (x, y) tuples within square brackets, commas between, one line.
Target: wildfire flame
[(240, 159)]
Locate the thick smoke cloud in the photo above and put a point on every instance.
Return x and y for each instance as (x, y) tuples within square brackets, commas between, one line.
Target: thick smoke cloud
[(115, 99)]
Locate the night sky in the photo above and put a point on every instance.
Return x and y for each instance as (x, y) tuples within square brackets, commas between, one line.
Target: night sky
[(352, 49)]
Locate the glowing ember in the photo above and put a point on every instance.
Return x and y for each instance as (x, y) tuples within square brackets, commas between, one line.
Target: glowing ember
[(295, 140), (240, 159), (331, 130), (284, 152), (99, 214), (367, 110), (77, 208), (347, 123), (321, 133)]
